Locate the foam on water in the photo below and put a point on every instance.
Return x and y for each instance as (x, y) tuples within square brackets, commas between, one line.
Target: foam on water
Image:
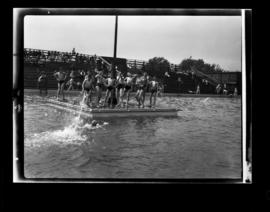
[(74, 133)]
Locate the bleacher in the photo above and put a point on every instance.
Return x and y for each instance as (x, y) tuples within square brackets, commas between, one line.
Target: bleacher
[(36, 61), (180, 81)]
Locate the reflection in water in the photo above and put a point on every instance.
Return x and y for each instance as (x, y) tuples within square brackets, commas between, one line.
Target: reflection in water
[(203, 141)]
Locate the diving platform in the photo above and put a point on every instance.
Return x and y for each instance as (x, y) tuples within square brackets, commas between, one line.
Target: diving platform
[(108, 112)]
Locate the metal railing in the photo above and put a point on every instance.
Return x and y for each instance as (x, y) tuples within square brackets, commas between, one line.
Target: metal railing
[(211, 80)]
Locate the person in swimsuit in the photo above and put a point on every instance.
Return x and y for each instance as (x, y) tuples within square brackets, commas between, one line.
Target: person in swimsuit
[(198, 89), (218, 89), (71, 81), (141, 83), (120, 85), (128, 85), (153, 91), (42, 83), (87, 88), (99, 83), (145, 85), (235, 93), (110, 84), (60, 77), (159, 89), (138, 86), (225, 91)]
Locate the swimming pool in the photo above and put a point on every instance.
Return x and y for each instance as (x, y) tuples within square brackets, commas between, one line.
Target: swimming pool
[(203, 141)]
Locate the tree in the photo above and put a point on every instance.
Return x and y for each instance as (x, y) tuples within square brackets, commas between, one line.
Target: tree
[(188, 64), (157, 66)]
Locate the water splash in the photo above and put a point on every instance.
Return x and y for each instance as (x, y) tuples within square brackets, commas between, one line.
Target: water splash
[(75, 133), (205, 100)]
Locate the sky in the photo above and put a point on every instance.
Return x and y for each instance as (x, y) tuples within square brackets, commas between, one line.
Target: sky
[(215, 39)]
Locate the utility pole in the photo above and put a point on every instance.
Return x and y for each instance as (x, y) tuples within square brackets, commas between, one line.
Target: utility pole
[(115, 48), (113, 97)]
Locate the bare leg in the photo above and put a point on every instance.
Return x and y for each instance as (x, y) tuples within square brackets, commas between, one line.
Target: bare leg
[(62, 90), (84, 97), (137, 96), (111, 105), (117, 91), (69, 88), (90, 96), (128, 92), (87, 98), (106, 97), (140, 98), (98, 94), (58, 90), (151, 95), (143, 97), (155, 98), (121, 96)]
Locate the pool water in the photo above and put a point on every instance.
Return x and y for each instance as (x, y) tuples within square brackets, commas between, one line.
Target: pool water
[(203, 141)]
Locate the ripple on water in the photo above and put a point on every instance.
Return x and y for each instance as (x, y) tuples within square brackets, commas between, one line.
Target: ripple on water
[(203, 141)]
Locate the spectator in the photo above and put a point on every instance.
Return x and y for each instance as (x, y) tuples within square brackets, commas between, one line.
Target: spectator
[(198, 89), (225, 91), (235, 93), (82, 75), (42, 83), (218, 89), (72, 81), (153, 91), (192, 75), (60, 77)]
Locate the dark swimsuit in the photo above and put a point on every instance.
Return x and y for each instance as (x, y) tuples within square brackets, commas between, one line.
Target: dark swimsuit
[(141, 87), (119, 86), (127, 87), (61, 81), (109, 88), (153, 90), (88, 88)]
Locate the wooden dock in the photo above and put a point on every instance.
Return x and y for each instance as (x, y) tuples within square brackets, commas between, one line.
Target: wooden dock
[(115, 112)]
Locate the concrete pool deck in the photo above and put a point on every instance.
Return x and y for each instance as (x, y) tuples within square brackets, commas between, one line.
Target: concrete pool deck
[(74, 92)]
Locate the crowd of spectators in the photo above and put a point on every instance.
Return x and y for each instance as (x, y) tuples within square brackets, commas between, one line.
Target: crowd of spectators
[(40, 56)]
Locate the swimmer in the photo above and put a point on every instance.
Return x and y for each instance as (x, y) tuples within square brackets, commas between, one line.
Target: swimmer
[(94, 123), (160, 90), (60, 77), (141, 82), (225, 91), (218, 89), (153, 91), (198, 89), (235, 93), (99, 83), (87, 88), (128, 85), (120, 85), (71, 81), (42, 83), (110, 84)]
